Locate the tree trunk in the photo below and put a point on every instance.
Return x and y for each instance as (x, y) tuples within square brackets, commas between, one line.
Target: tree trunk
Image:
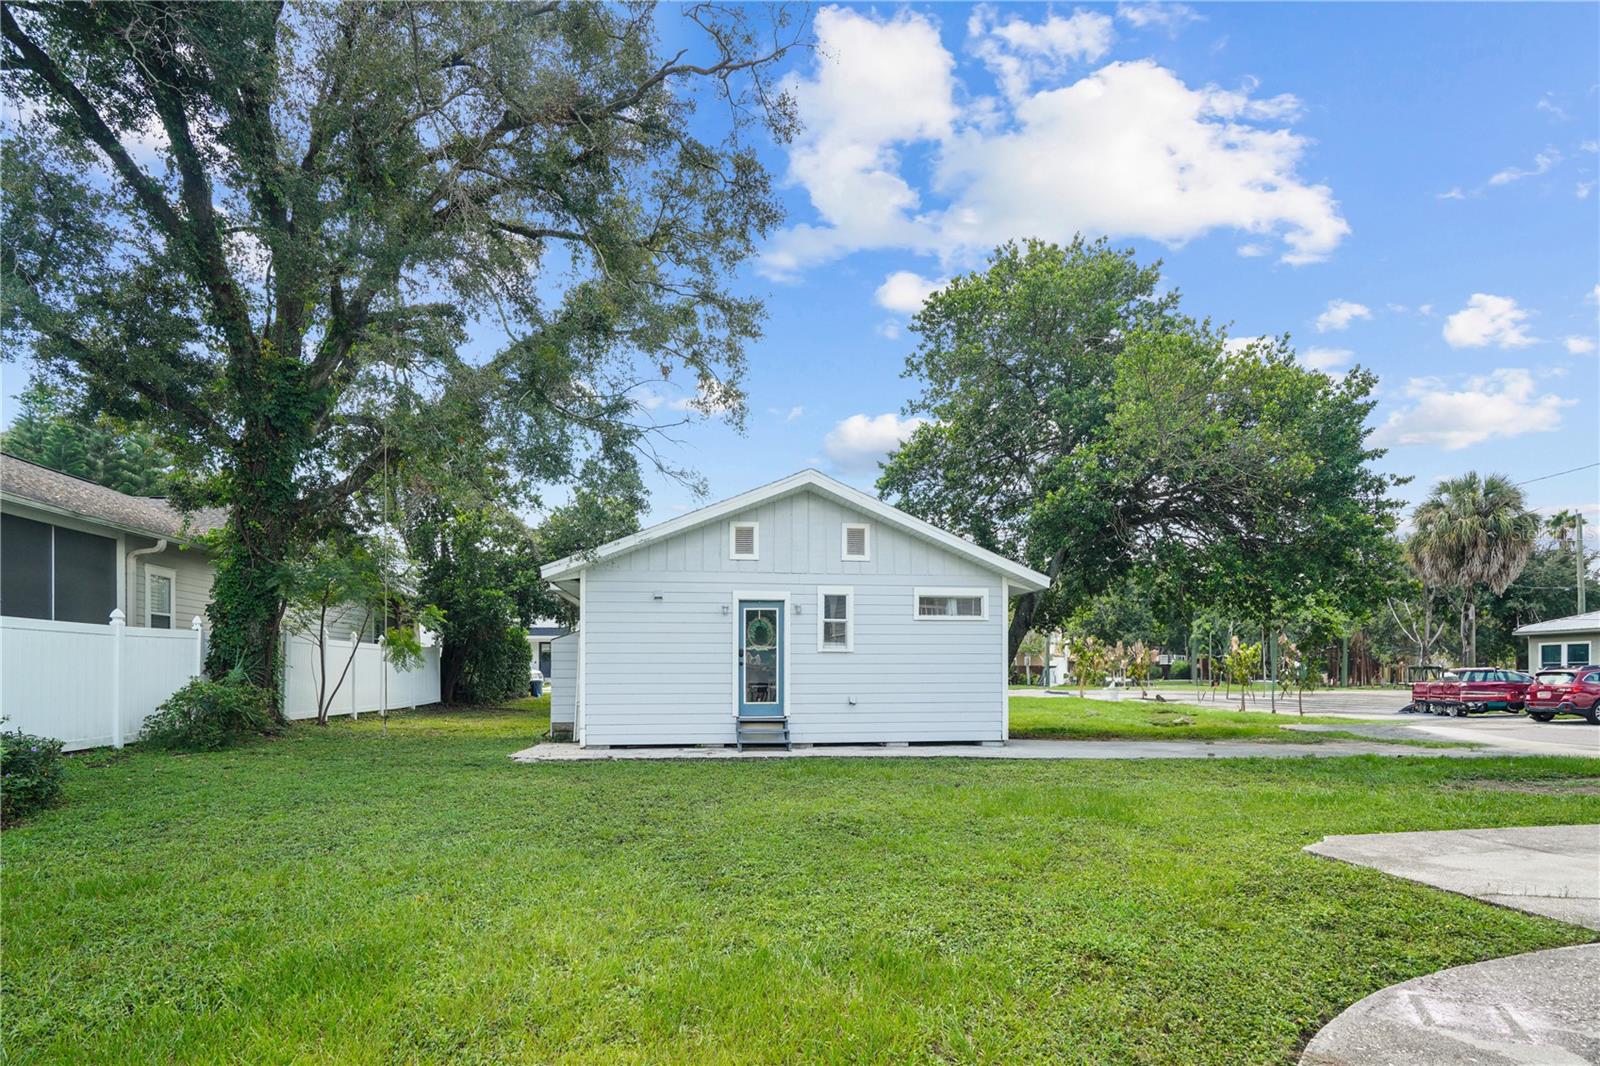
[(1471, 632), (1464, 631), (451, 662), (1021, 622)]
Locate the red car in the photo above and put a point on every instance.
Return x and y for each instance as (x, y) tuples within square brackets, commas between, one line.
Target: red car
[(1466, 689), (1572, 690)]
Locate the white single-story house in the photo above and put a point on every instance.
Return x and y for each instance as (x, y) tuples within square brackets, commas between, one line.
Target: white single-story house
[(1569, 641), (800, 612)]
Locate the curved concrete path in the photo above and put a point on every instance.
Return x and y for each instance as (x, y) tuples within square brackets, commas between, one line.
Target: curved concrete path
[(1541, 1008)]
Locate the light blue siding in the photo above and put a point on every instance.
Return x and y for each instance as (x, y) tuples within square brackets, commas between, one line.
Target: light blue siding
[(662, 671), (563, 680)]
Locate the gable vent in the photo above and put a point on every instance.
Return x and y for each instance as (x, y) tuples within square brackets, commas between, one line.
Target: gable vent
[(744, 540), (855, 542)]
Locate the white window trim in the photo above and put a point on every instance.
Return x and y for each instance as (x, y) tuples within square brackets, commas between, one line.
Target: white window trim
[(918, 593), (733, 528), (844, 542), (849, 594), (150, 569)]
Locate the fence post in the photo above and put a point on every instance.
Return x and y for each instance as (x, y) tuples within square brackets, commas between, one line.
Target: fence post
[(383, 678), (355, 664), (199, 647), (118, 624), (322, 661)]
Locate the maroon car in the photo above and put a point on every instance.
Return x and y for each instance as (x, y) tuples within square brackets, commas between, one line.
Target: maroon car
[(1467, 689), (1572, 690)]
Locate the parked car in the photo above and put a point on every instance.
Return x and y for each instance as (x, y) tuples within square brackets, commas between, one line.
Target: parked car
[(1572, 690), (1463, 691)]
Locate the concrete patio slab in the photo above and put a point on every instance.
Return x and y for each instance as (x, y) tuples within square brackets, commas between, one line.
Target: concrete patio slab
[(1542, 1007), (1015, 749), (1550, 870)]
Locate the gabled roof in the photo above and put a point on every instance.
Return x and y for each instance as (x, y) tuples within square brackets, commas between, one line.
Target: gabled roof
[(51, 490), (1588, 622), (1019, 576)]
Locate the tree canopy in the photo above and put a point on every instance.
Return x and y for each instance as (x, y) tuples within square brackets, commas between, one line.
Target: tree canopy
[(1079, 422), (126, 458), (271, 230)]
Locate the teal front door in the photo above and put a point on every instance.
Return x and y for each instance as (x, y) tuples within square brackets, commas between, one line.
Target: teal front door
[(761, 663)]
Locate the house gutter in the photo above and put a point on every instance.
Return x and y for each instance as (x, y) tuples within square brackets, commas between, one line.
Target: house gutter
[(131, 576)]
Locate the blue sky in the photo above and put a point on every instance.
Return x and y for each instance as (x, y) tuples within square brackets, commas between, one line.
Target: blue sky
[(1434, 214), (1411, 187)]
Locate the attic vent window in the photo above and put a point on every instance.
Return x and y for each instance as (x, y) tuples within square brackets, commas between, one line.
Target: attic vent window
[(744, 540), (857, 541)]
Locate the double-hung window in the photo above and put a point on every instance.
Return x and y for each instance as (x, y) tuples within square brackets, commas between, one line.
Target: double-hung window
[(970, 605), (836, 618), (160, 587)]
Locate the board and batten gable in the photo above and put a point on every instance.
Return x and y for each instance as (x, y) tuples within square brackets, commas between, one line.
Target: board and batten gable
[(658, 634)]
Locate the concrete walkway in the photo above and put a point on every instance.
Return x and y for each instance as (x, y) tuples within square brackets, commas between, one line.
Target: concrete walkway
[(1015, 749), (1553, 870), (1542, 1008)]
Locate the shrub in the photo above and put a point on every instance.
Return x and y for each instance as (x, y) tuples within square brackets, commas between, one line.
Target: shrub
[(1180, 670), (31, 771), (498, 669), (208, 715)]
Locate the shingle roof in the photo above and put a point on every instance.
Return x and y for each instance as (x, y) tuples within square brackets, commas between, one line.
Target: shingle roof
[(29, 483), (1588, 622)]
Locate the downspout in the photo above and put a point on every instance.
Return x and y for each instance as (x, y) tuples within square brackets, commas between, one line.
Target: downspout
[(132, 577)]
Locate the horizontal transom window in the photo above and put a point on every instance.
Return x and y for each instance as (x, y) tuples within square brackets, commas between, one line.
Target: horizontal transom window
[(968, 604)]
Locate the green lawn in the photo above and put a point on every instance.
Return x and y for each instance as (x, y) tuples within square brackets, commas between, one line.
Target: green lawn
[(350, 895), (1071, 718)]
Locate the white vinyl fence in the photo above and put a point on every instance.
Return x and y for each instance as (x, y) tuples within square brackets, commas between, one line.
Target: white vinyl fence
[(94, 685), (358, 677)]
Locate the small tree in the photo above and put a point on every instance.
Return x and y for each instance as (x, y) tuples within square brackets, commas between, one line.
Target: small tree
[(1241, 664), (1298, 670), (1140, 663), (1088, 658)]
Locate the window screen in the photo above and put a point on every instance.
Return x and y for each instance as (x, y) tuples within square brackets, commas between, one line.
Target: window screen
[(1578, 654), (835, 620), (24, 567), (1549, 655), (86, 576), (942, 606)]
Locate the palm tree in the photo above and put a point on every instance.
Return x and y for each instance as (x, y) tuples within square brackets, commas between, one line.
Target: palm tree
[(1472, 531)]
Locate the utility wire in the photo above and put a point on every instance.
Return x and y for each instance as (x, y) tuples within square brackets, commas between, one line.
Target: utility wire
[(1558, 473)]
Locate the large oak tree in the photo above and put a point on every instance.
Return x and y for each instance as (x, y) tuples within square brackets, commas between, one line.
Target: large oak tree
[(269, 228), (1078, 422)]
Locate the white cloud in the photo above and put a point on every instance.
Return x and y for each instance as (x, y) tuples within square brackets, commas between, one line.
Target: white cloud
[(1579, 345), (889, 329), (1254, 249), (1451, 194), (1167, 16), (1424, 309), (904, 291), (1128, 150), (1488, 320), (789, 415), (1019, 53), (1235, 345), (1494, 406), (857, 444), (1327, 360), (1542, 164), (1548, 105), (1339, 314), (1583, 189)]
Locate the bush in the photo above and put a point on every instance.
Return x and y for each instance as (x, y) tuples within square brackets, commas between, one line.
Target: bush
[(209, 715), (1180, 670), (31, 771), (497, 669)]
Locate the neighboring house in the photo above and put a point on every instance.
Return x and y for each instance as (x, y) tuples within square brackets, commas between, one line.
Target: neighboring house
[(72, 551), (540, 635), (1569, 641), (804, 611)]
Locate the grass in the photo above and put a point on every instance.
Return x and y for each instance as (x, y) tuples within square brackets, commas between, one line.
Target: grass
[(1071, 718), (347, 894)]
